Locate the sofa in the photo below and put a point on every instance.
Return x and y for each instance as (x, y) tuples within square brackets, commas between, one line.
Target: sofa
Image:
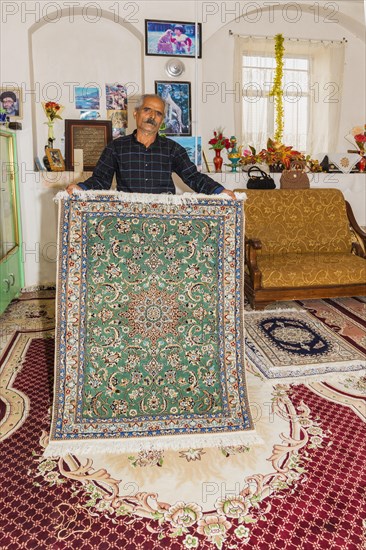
[(301, 244)]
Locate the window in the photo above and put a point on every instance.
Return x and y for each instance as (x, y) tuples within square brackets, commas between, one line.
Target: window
[(313, 80), (258, 107)]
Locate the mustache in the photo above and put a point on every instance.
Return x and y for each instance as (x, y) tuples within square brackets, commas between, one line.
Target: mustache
[(150, 121)]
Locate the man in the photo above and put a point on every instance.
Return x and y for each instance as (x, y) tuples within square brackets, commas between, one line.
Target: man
[(9, 102), (143, 162)]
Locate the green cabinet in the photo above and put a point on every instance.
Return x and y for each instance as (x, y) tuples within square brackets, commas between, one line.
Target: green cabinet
[(11, 265)]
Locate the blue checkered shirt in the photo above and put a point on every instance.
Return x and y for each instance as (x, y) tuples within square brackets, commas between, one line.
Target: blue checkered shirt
[(141, 169)]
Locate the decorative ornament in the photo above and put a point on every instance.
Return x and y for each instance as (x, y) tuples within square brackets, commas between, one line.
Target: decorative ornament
[(277, 91)]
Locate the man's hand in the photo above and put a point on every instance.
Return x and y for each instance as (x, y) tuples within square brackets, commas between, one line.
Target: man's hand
[(228, 192), (70, 188)]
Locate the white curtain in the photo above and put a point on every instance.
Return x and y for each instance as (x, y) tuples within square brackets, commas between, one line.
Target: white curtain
[(326, 82)]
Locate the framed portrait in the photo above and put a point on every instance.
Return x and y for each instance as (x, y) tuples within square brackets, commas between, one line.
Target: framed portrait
[(177, 96), (172, 38), (89, 135), (55, 159), (11, 101)]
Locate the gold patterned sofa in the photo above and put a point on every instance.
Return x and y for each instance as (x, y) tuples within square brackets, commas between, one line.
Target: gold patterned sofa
[(302, 243)]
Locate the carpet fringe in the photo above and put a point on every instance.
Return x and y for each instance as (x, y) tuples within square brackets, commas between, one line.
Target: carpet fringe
[(156, 443), (35, 288), (274, 310), (304, 379), (146, 198), (300, 374)]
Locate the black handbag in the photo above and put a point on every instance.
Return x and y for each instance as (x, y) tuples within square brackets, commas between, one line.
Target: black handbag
[(261, 181)]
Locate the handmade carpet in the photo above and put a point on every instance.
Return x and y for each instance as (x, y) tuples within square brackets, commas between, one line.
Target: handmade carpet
[(149, 351), (302, 488), (291, 342)]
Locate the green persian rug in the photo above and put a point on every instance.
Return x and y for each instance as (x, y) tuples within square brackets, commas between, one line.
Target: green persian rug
[(150, 349)]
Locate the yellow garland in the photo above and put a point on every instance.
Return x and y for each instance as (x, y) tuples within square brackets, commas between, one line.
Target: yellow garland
[(277, 91)]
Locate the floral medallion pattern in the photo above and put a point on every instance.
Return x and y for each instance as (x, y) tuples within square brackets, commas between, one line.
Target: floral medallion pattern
[(149, 339)]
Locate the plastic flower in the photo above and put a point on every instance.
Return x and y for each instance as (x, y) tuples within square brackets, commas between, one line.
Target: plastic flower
[(52, 110), (219, 141), (277, 153), (360, 140), (359, 135)]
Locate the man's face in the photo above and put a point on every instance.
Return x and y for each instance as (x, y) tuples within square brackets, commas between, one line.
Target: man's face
[(150, 115), (8, 103)]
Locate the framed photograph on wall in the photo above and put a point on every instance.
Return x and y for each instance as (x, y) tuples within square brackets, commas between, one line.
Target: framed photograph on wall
[(177, 96), (89, 135), (11, 102), (55, 159), (193, 148), (172, 38)]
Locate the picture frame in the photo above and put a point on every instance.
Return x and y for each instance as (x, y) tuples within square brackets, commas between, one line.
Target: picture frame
[(91, 136), (55, 158), (88, 98), (177, 96), (173, 38), (193, 146), (11, 99), (207, 166), (39, 165)]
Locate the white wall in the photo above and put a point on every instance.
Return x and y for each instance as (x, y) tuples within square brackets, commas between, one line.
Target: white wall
[(45, 42), (328, 24)]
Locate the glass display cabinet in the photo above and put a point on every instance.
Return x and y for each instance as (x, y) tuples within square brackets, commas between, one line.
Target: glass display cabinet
[(11, 266)]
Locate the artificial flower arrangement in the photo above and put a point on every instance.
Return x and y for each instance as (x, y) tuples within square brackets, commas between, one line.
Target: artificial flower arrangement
[(219, 141), (52, 110), (278, 154), (359, 135)]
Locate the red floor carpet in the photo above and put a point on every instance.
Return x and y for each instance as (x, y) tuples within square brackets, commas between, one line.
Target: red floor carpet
[(324, 510)]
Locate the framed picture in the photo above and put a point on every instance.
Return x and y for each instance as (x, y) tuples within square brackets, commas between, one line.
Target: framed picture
[(193, 148), (177, 96), (119, 123), (39, 165), (11, 102), (55, 159), (172, 38), (89, 135), (116, 97), (87, 99)]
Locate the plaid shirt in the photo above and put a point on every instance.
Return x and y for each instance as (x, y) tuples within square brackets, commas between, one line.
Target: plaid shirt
[(141, 169)]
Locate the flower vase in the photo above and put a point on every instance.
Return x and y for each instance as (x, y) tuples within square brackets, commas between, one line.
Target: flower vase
[(362, 164), (51, 133), (234, 163), (218, 160)]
